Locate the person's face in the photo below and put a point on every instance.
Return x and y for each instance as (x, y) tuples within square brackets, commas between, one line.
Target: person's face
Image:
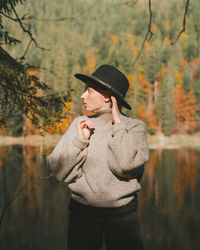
[(95, 99)]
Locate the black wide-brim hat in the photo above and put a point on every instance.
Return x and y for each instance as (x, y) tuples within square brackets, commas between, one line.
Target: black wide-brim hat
[(110, 78)]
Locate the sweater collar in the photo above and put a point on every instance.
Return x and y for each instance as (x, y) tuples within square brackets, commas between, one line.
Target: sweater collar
[(104, 115)]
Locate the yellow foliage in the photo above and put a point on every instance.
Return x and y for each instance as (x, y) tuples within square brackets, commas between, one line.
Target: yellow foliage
[(114, 38), (183, 64), (132, 22), (130, 78), (148, 46), (179, 77), (134, 48), (62, 126), (140, 69), (33, 72), (154, 28), (3, 152), (167, 41), (167, 24), (91, 64)]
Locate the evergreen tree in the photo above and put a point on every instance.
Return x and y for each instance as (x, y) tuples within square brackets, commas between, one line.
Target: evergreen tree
[(164, 108)]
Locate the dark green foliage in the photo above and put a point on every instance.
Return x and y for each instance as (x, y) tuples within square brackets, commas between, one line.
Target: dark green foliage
[(164, 108), (87, 33)]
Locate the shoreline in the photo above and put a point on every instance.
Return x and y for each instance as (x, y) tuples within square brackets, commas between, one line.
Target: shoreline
[(158, 141)]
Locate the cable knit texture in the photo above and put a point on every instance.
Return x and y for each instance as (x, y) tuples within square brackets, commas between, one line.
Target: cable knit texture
[(101, 171)]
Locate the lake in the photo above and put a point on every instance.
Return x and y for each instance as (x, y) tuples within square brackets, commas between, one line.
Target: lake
[(33, 205)]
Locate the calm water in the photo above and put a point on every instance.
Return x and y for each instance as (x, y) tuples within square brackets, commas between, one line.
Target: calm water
[(33, 206)]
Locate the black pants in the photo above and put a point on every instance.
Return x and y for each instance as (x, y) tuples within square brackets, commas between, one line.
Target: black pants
[(118, 226)]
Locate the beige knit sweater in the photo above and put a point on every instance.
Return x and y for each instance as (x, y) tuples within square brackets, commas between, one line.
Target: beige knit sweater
[(98, 171)]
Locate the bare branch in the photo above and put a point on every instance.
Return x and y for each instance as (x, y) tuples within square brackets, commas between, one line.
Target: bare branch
[(26, 51), (131, 3), (184, 22), (26, 31), (12, 18), (148, 35), (4, 209), (63, 18), (45, 177)]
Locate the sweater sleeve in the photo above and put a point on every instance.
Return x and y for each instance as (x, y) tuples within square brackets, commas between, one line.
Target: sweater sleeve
[(69, 155), (128, 148)]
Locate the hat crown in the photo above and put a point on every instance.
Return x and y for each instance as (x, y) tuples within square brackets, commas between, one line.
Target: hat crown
[(110, 78), (113, 77)]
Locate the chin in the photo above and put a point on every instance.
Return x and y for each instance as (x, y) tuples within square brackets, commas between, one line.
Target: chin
[(91, 109)]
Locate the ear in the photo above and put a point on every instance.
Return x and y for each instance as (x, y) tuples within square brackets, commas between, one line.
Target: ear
[(107, 96)]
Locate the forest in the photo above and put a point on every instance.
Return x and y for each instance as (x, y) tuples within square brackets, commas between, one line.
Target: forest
[(78, 36)]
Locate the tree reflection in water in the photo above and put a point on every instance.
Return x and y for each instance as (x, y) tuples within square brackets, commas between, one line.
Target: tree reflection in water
[(33, 210)]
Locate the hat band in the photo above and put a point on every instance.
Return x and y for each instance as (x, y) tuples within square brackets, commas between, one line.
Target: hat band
[(107, 85)]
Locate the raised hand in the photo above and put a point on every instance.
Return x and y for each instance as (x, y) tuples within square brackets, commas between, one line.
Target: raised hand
[(115, 111), (85, 128)]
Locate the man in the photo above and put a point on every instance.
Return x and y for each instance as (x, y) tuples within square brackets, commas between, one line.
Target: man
[(101, 158)]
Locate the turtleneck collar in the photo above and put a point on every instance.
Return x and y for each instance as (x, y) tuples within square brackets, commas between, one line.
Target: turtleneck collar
[(104, 114)]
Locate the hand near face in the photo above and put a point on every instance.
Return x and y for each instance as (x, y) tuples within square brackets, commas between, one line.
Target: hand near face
[(115, 111), (85, 128)]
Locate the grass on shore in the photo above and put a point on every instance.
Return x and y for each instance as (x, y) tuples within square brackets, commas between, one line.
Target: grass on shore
[(155, 141)]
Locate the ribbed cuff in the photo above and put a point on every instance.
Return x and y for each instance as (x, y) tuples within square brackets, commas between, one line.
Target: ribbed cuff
[(118, 126), (80, 143)]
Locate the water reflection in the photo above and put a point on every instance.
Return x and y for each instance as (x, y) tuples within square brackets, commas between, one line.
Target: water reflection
[(33, 205)]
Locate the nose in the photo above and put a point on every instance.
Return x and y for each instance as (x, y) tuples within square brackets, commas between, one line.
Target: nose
[(83, 96)]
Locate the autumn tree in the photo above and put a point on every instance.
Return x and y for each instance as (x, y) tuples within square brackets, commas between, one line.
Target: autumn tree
[(18, 94), (185, 110)]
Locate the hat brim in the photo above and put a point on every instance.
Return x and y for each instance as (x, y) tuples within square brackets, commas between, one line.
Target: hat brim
[(94, 80)]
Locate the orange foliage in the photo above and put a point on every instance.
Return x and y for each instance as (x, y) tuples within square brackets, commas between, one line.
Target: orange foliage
[(62, 126), (132, 22), (28, 127), (183, 64), (167, 41), (134, 48), (92, 64), (3, 130), (154, 28), (33, 72), (147, 114), (130, 78), (148, 46), (145, 86), (149, 177), (3, 152), (167, 25), (114, 38), (195, 66), (140, 69), (179, 77), (185, 110), (185, 176), (29, 179)]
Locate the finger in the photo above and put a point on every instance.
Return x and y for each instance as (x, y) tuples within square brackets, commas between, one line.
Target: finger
[(89, 124), (114, 101)]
